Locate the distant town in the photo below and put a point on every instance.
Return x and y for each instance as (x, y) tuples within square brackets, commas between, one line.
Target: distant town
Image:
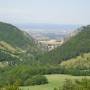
[(50, 40)]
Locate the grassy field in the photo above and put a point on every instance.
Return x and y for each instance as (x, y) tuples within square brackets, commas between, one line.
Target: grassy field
[(54, 81)]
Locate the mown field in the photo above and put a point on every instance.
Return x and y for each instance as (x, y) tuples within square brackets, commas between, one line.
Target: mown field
[(54, 81)]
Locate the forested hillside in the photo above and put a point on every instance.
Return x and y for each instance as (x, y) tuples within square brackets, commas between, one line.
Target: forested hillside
[(77, 66), (15, 37), (81, 62), (15, 44), (72, 48)]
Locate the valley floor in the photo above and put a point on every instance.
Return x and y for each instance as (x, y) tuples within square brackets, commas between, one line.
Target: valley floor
[(55, 81)]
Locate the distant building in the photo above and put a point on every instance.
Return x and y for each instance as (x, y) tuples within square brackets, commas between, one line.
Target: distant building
[(50, 44)]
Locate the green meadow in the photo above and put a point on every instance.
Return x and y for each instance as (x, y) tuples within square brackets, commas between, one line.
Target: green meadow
[(54, 82)]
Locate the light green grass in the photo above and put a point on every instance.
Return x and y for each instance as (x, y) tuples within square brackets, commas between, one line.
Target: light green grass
[(81, 62), (54, 81)]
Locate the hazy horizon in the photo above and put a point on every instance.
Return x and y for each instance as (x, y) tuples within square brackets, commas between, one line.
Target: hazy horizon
[(45, 11)]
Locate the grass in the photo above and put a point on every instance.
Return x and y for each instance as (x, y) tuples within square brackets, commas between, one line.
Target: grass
[(54, 81), (81, 62)]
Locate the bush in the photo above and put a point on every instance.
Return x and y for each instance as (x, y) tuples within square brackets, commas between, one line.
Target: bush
[(83, 84), (36, 80), (68, 85)]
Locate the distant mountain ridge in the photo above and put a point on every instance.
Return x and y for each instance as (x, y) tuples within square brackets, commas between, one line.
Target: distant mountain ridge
[(48, 26), (50, 31)]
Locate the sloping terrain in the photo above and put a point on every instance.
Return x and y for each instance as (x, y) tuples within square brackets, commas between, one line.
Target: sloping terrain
[(81, 62), (15, 37), (72, 48), (15, 44)]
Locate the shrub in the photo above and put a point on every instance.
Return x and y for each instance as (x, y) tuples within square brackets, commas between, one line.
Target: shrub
[(68, 85), (36, 80), (83, 84)]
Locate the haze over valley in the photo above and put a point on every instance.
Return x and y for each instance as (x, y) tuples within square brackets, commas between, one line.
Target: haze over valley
[(50, 36), (49, 31)]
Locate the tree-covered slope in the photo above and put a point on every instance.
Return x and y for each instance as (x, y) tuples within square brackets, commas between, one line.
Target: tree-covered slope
[(15, 44), (72, 48), (14, 36), (81, 62)]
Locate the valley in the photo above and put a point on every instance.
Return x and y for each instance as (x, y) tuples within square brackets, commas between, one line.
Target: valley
[(50, 36), (43, 64), (44, 45)]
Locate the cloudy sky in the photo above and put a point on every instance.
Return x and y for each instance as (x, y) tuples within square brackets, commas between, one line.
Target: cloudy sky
[(45, 11)]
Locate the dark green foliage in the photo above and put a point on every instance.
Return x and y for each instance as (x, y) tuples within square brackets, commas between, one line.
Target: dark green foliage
[(77, 72), (55, 89), (6, 56), (37, 80), (22, 75)]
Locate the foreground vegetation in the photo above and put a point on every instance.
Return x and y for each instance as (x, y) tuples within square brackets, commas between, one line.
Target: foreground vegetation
[(23, 63), (56, 82), (26, 74)]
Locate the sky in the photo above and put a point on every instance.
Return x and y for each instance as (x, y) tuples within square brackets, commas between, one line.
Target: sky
[(45, 11)]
